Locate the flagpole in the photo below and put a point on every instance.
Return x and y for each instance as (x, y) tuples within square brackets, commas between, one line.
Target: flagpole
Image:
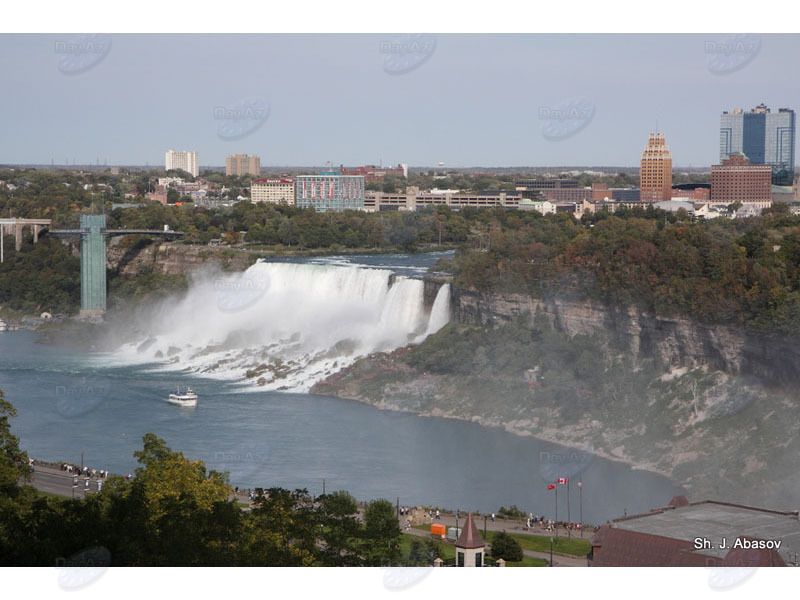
[(569, 518), (580, 489), (556, 510)]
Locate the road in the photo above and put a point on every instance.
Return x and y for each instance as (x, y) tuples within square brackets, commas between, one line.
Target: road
[(56, 481)]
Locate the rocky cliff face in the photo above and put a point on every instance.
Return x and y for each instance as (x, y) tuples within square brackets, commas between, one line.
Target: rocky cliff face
[(171, 259), (131, 258), (672, 341), (712, 407)]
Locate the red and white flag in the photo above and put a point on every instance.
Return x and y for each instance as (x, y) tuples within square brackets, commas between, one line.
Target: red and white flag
[(562, 480), (552, 486), (580, 484)]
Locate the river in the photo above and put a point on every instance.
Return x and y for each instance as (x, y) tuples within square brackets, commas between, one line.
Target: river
[(74, 404)]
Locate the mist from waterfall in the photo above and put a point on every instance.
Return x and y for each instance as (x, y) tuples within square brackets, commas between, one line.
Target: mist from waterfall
[(285, 326)]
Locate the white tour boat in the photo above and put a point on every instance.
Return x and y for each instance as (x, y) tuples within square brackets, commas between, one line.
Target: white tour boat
[(187, 398)]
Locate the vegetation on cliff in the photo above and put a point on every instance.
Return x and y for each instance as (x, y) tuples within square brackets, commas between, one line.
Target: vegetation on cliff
[(41, 277), (721, 271)]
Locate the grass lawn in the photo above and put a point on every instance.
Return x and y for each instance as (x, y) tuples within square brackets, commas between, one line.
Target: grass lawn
[(529, 561), (540, 543)]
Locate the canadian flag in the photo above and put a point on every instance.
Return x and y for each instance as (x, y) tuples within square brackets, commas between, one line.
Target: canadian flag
[(561, 480), (552, 486)]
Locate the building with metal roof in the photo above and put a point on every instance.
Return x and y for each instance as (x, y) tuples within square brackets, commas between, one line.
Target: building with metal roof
[(707, 533)]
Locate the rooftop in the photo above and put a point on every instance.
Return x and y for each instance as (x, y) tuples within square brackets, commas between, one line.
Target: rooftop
[(716, 520), (470, 536)]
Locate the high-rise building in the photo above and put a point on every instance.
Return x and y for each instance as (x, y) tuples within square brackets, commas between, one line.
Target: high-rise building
[(737, 180), (655, 173), (276, 191), (330, 191), (185, 161), (763, 136), (242, 164)]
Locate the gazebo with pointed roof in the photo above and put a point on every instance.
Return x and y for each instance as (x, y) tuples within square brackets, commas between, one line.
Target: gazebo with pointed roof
[(470, 545)]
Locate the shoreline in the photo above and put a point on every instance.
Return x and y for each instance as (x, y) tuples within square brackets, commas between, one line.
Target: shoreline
[(488, 424), (517, 524)]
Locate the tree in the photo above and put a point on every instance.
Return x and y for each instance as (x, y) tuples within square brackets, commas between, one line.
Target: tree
[(173, 512), (280, 530), (381, 545), (422, 552), (506, 547), (13, 461), (340, 530)]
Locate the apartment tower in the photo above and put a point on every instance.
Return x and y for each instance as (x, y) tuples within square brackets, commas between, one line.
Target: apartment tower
[(242, 164), (185, 161)]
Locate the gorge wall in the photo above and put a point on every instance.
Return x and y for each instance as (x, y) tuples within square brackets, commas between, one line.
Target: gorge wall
[(672, 341), (171, 259), (712, 407)]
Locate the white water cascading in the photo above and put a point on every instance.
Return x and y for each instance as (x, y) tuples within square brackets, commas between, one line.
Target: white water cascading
[(440, 311), (288, 325)]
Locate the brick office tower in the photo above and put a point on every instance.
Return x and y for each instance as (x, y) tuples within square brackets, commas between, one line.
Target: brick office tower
[(655, 173), (737, 180)]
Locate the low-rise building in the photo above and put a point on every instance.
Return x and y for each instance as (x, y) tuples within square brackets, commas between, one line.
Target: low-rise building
[(737, 180), (699, 534), (412, 200), (544, 207), (372, 173), (275, 191), (694, 192), (330, 191)]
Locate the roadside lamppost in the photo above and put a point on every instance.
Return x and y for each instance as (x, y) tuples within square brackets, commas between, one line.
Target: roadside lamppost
[(484, 526)]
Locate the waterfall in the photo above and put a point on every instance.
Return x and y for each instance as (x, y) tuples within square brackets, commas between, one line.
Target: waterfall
[(440, 311), (285, 326)]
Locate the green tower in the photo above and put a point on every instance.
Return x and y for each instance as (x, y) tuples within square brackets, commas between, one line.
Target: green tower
[(93, 264)]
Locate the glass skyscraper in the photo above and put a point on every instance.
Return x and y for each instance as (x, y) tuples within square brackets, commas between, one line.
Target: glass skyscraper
[(765, 137)]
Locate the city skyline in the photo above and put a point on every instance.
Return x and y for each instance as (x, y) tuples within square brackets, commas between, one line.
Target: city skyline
[(356, 99)]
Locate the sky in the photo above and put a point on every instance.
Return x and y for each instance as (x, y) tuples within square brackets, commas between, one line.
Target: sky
[(465, 100)]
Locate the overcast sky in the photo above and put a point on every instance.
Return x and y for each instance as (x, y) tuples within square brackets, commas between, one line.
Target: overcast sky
[(466, 100)]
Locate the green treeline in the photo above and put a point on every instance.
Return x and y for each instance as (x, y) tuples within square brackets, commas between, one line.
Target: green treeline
[(743, 272), (176, 513), (41, 277)]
